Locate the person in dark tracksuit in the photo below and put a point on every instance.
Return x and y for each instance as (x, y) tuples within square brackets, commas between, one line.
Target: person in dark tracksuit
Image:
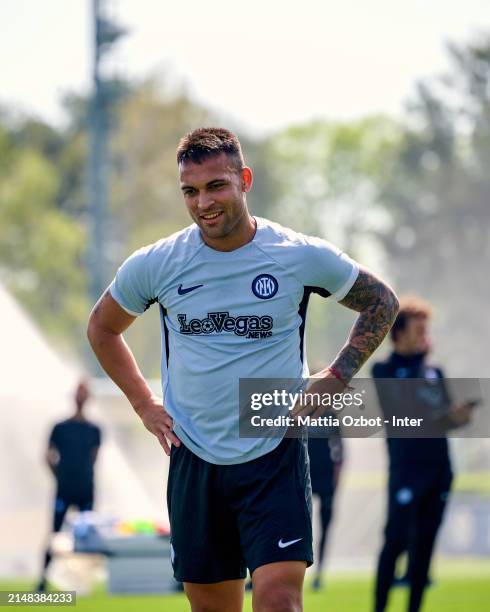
[(326, 457), (420, 471), (71, 455)]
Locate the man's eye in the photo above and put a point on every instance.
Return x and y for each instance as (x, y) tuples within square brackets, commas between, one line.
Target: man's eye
[(217, 186), (189, 192)]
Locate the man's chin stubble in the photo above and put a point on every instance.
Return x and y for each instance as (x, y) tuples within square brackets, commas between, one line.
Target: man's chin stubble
[(219, 233)]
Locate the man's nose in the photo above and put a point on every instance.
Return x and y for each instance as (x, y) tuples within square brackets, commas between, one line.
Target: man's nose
[(205, 201)]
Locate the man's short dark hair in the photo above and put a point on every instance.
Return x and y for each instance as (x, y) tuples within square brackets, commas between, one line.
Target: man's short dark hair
[(209, 142), (411, 307)]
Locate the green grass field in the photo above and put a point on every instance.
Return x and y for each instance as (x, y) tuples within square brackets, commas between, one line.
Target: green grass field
[(455, 590)]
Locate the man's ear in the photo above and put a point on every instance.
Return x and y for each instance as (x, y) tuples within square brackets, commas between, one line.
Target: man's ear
[(247, 179)]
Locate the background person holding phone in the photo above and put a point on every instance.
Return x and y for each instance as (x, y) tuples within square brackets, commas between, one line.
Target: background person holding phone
[(420, 472)]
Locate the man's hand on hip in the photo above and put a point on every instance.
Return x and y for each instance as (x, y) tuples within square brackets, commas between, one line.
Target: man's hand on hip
[(157, 420), (321, 385)]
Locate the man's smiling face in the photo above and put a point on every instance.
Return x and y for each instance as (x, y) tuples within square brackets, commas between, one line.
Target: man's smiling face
[(214, 192)]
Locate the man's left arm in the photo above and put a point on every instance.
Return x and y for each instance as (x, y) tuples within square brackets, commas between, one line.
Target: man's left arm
[(377, 306)]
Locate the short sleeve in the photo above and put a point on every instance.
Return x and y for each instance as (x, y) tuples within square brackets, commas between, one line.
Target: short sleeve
[(131, 287), (326, 267)]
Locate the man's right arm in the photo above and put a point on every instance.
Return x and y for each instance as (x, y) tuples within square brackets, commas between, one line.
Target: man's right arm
[(107, 322)]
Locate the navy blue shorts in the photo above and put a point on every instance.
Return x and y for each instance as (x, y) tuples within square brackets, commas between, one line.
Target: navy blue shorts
[(64, 499), (227, 518)]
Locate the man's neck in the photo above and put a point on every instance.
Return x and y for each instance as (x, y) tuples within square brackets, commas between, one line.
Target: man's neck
[(408, 353), (240, 236), (403, 352)]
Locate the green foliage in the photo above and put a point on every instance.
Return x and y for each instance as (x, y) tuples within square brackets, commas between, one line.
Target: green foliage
[(41, 248), (326, 175), (437, 197)]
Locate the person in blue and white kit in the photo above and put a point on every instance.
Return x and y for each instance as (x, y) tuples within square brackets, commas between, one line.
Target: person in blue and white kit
[(232, 290)]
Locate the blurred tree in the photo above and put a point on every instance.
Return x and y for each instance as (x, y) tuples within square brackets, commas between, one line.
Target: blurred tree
[(323, 179), (325, 176), (41, 247), (438, 198)]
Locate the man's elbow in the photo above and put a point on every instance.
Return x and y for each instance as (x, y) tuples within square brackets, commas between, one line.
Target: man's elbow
[(394, 303), (94, 328)]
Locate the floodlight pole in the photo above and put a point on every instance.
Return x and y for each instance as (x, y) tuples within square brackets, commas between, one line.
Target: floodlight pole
[(105, 34)]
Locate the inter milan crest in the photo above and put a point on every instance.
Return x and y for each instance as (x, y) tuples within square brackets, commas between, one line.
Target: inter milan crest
[(264, 286)]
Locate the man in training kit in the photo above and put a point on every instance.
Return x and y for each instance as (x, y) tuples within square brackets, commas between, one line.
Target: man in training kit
[(232, 292), (420, 472), (71, 455)]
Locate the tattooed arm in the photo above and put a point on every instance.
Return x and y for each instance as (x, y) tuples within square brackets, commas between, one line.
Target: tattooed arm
[(377, 306)]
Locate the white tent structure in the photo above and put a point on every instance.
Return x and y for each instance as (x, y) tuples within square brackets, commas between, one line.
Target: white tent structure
[(36, 390)]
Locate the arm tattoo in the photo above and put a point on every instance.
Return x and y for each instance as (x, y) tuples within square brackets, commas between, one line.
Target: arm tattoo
[(377, 306)]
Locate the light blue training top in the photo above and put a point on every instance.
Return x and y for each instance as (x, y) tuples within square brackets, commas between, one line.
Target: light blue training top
[(226, 316)]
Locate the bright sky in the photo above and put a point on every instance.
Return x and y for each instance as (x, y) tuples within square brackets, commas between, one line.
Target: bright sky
[(264, 62)]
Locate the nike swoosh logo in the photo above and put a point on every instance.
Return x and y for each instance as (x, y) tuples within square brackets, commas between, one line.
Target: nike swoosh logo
[(181, 291), (282, 544)]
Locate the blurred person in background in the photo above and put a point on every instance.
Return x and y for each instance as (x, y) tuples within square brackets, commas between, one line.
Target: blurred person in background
[(326, 458), (420, 472), (71, 455)]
